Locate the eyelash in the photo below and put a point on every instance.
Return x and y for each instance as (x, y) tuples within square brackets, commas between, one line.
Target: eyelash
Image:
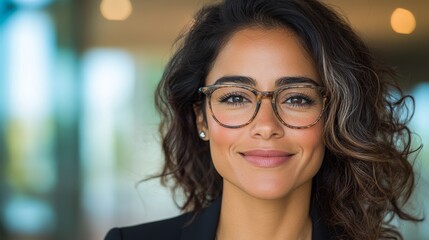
[(224, 98), (308, 100)]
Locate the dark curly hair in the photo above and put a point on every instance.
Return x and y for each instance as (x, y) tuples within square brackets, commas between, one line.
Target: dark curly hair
[(366, 174)]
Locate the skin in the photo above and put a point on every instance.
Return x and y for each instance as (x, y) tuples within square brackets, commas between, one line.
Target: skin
[(258, 202)]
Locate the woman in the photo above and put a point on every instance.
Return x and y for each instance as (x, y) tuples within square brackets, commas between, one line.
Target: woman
[(277, 124)]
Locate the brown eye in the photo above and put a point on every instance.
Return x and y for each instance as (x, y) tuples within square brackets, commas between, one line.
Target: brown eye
[(297, 101), (236, 99)]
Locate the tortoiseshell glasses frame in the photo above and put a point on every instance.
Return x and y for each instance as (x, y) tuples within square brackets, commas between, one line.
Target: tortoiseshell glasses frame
[(209, 90)]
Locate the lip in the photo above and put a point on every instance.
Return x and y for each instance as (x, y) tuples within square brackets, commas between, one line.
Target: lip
[(266, 158)]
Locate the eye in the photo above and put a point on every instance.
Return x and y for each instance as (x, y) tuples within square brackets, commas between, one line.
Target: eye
[(234, 99), (296, 101), (299, 100)]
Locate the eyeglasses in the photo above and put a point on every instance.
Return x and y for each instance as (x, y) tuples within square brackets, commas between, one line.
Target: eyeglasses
[(296, 106)]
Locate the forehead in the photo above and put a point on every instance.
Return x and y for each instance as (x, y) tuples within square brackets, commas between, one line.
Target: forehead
[(264, 55)]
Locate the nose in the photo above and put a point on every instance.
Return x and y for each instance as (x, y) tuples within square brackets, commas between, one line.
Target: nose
[(266, 125)]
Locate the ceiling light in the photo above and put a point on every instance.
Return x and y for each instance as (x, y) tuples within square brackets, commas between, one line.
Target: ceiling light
[(403, 21), (116, 10)]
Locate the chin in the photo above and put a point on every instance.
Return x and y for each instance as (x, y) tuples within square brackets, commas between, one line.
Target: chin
[(269, 191), (276, 190)]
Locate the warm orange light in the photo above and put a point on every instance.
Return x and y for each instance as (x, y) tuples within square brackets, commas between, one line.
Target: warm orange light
[(116, 10), (403, 21)]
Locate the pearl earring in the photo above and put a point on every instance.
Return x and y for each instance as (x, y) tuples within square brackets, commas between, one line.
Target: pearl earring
[(202, 134)]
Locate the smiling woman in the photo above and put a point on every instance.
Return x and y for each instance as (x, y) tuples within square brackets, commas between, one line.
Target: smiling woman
[(278, 124)]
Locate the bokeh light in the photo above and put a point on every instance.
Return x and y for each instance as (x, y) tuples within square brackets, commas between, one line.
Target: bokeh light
[(403, 21)]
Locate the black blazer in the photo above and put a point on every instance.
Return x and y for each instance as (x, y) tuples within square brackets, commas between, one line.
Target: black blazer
[(203, 227)]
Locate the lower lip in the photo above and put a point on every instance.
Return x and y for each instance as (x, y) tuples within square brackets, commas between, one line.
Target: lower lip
[(266, 162)]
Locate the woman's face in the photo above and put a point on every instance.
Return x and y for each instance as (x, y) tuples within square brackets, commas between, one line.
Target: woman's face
[(264, 159)]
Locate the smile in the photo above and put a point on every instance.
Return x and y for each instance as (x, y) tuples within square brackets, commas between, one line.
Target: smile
[(266, 158)]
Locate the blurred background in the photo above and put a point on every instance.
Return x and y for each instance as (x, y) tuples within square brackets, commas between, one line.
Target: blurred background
[(78, 128)]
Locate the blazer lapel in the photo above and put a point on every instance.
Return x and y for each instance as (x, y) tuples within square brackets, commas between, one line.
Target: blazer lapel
[(204, 226)]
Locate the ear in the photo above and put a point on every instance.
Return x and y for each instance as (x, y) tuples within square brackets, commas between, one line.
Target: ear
[(201, 121)]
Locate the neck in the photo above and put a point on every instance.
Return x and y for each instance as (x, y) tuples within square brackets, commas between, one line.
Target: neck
[(245, 217)]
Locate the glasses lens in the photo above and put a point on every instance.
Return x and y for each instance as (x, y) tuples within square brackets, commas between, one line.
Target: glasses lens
[(233, 106), (300, 106)]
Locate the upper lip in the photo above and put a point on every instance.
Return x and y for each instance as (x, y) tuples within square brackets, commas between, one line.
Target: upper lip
[(266, 153)]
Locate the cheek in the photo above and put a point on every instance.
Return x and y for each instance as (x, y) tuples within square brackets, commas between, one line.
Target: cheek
[(312, 147), (312, 138), (221, 138), (222, 143)]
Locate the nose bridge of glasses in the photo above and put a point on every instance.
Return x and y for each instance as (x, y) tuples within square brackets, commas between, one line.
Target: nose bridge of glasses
[(265, 94)]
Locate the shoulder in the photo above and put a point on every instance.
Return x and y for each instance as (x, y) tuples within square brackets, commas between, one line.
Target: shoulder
[(189, 226), (165, 229)]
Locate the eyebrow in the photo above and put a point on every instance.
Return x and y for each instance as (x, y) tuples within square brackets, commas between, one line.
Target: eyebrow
[(293, 80), (236, 79), (279, 82)]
